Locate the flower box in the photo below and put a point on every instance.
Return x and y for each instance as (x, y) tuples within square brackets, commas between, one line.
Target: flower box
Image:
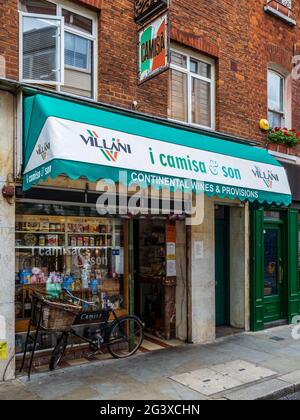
[(283, 139)]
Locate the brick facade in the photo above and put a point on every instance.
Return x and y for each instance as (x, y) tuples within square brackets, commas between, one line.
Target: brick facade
[(241, 37)]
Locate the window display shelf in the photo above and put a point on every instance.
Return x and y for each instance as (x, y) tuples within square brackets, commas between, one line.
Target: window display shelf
[(39, 247), (88, 234), (41, 233), (91, 247)]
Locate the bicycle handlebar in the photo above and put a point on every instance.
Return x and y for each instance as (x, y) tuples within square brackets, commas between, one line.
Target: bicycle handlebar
[(75, 298)]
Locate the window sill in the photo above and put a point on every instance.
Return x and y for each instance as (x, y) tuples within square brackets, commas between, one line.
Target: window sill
[(279, 14), (191, 125)]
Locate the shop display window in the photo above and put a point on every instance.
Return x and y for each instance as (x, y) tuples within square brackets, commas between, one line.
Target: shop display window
[(58, 248)]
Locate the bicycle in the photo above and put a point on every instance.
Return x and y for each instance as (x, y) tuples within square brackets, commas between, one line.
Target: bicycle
[(123, 336)]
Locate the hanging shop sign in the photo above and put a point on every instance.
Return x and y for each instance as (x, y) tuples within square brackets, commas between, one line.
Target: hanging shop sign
[(146, 9), (154, 47)]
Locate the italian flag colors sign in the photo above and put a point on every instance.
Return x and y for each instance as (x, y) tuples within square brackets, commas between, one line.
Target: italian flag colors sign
[(153, 48)]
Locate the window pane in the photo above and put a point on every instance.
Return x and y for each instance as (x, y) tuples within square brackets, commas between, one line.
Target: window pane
[(201, 102), (178, 59), (41, 7), (273, 215), (178, 96), (77, 52), (78, 22), (200, 68), (299, 258), (271, 262), (79, 64), (275, 92), (275, 119), (41, 46)]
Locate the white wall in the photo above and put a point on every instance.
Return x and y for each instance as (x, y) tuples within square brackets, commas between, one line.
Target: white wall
[(239, 272), (181, 286), (7, 228), (202, 323), (202, 307)]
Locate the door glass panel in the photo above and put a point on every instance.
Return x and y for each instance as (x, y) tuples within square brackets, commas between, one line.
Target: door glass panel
[(299, 258), (272, 215), (271, 262)]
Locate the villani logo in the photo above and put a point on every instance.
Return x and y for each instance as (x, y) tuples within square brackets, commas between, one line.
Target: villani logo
[(110, 150), (268, 177), (42, 150)]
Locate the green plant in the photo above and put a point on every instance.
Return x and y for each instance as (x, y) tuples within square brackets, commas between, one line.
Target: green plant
[(290, 138)]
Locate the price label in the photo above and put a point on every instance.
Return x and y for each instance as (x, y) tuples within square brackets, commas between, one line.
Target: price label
[(3, 350)]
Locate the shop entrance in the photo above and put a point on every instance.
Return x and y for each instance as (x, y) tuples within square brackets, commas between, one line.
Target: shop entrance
[(155, 283), (222, 265), (274, 273)]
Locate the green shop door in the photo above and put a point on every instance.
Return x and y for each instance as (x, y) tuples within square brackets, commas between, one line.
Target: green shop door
[(222, 265), (274, 276)]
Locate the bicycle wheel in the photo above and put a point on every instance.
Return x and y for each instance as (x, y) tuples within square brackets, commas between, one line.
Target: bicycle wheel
[(126, 337), (58, 352)]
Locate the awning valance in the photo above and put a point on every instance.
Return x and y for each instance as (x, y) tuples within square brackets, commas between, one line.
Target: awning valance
[(78, 140)]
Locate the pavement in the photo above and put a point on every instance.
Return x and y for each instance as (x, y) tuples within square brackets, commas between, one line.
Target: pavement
[(246, 366)]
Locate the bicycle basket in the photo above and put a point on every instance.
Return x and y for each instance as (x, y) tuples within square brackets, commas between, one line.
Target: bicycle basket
[(53, 316)]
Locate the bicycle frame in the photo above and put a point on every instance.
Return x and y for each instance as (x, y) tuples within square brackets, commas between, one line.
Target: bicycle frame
[(105, 324)]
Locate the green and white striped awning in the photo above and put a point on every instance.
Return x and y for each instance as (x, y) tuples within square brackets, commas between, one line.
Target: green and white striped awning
[(66, 137)]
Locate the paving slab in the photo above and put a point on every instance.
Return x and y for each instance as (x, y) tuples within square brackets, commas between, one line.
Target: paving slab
[(237, 351), (282, 365), (292, 378), (243, 371), (15, 390), (272, 389), (176, 391), (207, 381)]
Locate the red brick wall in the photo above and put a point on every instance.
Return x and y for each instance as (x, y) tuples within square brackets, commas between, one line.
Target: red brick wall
[(246, 40), (118, 62), (238, 34), (9, 35)]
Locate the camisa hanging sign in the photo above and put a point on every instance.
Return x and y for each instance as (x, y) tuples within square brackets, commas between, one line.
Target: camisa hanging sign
[(153, 48), (145, 9)]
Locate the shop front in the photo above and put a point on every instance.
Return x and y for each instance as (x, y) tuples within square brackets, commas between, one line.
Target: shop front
[(120, 207), (275, 260)]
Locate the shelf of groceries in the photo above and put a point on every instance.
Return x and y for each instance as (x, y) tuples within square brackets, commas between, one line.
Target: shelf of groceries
[(82, 254)]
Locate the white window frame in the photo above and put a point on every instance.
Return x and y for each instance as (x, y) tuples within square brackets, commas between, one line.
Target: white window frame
[(79, 69), (60, 5), (284, 93), (61, 52), (198, 57)]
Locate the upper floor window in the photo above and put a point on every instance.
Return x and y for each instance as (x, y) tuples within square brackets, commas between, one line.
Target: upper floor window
[(282, 9), (58, 46), (191, 98), (276, 102), (286, 3)]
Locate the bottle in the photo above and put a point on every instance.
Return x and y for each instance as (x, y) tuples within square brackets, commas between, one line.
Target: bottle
[(104, 300), (27, 306), (42, 241)]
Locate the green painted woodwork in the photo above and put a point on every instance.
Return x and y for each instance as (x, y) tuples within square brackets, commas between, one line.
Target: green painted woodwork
[(256, 269), (292, 269), (274, 260), (269, 309)]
